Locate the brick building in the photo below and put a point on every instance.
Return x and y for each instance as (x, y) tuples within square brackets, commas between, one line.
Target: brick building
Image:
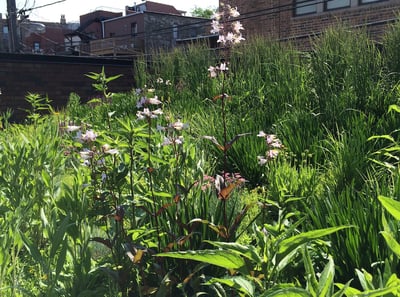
[(297, 20), (4, 46), (45, 37), (146, 26)]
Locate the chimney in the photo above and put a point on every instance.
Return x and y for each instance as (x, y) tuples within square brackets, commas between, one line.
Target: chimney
[(63, 21)]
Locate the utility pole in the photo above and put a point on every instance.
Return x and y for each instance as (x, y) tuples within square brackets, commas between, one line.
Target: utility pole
[(12, 26)]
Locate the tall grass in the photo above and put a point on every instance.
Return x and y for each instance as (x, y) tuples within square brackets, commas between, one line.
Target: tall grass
[(70, 227)]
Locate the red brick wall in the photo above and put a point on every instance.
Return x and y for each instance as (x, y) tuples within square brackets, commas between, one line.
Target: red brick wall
[(275, 18), (55, 77)]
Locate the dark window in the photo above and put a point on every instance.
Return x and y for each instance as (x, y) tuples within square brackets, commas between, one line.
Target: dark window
[(334, 4), (36, 47), (305, 6), (369, 1), (134, 29)]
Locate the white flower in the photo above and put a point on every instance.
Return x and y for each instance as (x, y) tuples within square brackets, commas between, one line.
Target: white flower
[(89, 136), (233, 12), (272, 154), (229, 37), (86, 154), (153, 101), (261, 134), (178, 125), (238, 38), (147, 114), (221, 39), (73, 128), (213, 71), (237, 26), (262, 160), (160, 80)]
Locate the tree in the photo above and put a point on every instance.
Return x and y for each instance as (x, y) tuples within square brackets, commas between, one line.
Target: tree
[(203, 12)]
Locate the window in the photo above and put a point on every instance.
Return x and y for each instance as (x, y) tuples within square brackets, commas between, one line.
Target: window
[(305, 6), (175, 31), (368, 1), (134, 29), (36, 47), (334, 4), (5, 30)]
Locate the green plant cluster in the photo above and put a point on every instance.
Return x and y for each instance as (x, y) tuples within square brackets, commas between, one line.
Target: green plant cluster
[(278, 177)]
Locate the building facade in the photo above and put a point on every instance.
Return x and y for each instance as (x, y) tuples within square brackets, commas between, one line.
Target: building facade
[(298, 20), (147, 26)]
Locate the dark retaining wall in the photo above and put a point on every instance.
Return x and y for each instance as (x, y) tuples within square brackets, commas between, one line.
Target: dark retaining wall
[(56, 77)]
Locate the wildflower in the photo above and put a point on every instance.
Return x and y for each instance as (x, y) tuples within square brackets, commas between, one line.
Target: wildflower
[(160, 128), (160, 80), (272, 154), (237, 27), (86, 154), (273, 141), (72, 128), (213, 71), (89, 136), (168, 141), (233, 11), (108, 150), (178, 125), (262, 160), (148, 101), (103, 177), (168, 82), (270, 139), (147, 114), (228, 31), (261, 134)]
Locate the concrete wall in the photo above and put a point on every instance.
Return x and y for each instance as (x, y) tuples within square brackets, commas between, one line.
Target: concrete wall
[(55, 77)]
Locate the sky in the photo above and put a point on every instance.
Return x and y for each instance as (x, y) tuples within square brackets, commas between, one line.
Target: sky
[(74, 8)]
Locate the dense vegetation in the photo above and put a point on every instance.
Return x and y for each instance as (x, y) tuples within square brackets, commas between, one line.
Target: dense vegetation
[(278, 178)]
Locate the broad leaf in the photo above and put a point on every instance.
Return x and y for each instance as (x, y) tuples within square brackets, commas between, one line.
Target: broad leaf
[(287, 292), (326, 280), (221, 258), (237, 282), (291, 243), (249, 252), (392, 243), (391, 205)]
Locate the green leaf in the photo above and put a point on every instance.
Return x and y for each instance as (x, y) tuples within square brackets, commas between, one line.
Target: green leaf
[(348, 291), (394, 107), (61, 257), (34, 251), (286, 292), (249, 252), (58, 236), (326, 280), (391, 242), (237, 282), (342, 289), (387, 137), (287, 245), (221, 258), (391, 205), (312, 282)]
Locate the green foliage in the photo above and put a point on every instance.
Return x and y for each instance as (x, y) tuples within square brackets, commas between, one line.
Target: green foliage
[(202, 12), (115, 197)]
